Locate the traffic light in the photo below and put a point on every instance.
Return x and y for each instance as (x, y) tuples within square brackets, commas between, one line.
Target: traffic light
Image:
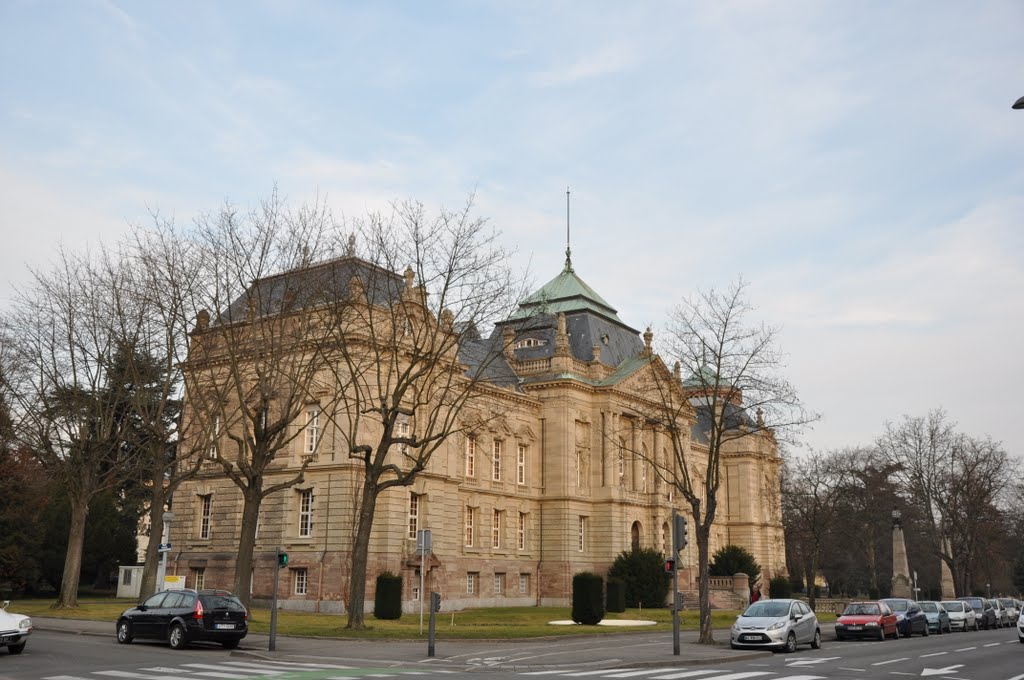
[(282, 559), (679, 529), (435, 602), (670, 566)]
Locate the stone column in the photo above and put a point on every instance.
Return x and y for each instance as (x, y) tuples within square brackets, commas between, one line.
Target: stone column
[(900, 567), (948, 590)]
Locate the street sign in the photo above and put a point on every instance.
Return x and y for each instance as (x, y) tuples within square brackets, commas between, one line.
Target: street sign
[(165, 547), (423, 542)]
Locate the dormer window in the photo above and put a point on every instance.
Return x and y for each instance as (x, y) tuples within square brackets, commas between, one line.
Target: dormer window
[(529, 342)]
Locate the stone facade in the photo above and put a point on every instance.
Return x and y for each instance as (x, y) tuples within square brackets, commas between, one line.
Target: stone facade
[(517, 504)]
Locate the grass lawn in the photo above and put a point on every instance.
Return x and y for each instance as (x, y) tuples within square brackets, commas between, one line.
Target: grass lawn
[(497, 623)]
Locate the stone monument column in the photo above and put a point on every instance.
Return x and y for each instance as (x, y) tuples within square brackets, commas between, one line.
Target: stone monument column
[(948, 590), (900, 567)]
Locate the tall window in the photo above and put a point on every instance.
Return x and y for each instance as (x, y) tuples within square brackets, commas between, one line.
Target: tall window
[(306, 513), (402, 430), (470, 521), (312, 438), (521, 532), (416, 585), (499, 584), (199, 578), (496, 529), (583, 534), (214, 438), (579, 469), (622, 463), (471, 456), (471, 578), (496, 468), (524, 584), (300, 580), (205, 511), (414, 514), (521, 464)]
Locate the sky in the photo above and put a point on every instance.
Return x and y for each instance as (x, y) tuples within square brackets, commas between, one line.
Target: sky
[(857, 163)]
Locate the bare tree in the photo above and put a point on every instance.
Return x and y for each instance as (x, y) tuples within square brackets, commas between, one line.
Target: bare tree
[(813, 503), (406, 350), (68, 328), (253, 367), (733, 371), (955, 479)]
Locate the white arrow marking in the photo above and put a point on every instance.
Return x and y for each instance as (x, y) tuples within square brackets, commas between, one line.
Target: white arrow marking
[(813, 661), (941, 671)]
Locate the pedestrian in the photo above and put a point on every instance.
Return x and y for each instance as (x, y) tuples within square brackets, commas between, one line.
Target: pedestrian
[(756, 595)]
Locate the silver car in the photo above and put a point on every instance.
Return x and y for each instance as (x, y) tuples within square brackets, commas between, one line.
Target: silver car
[(776, 624), (1010, 605)]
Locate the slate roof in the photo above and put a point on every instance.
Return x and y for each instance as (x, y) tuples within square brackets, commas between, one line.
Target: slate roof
[(735, 416)]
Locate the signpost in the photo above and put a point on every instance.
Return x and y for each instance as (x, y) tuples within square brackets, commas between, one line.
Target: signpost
[(281, 559), (679, 541), (423, 548), (165, 547)]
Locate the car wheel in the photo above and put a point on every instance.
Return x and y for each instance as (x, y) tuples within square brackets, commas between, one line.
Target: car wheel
[(177, 637), (16, 649), (975, 625), (816, 641), (791, 643), (1021, 639), (924, 629), (124, 632), (881, 635), (229, 644)]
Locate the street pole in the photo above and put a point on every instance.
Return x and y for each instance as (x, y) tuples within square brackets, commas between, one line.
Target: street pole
[(165, 547), (679, 541), (423, 546), (273, 603)]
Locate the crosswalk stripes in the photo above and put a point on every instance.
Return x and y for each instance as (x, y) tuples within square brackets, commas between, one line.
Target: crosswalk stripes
[(235, 670), (672, 674)]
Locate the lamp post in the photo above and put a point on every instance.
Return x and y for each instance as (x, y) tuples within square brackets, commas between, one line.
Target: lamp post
[(165, 547), (896, 514)]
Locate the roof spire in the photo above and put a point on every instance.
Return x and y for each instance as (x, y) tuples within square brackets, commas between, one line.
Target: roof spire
[(568, 250)]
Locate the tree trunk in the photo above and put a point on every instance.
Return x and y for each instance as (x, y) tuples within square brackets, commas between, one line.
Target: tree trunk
[(703, 584), (252, 497), (156, 536), (360, 556), (68, 597), (813, 585)]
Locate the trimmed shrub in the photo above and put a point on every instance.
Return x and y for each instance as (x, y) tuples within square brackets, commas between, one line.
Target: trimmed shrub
[(616, 599), (779, 587), (387, 602), (587, 598), (735, 559), (642, 572)]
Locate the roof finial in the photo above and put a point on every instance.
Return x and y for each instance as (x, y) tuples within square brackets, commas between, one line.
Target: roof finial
[(568, 250)]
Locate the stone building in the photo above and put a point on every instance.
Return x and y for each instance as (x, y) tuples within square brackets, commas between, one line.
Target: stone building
[(559, 482)]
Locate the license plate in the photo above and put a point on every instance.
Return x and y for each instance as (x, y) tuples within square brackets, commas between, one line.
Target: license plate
[(222, 626), (856, 627), (748, 638)]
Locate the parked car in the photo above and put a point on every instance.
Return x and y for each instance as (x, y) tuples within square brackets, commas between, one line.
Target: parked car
[(776, 624), (909, 617), (983, 610), (1011, 607), (14, 629), (961, 615), (1002, 616), (866, 619), (1020, 629), (938, 618), (184, 616)]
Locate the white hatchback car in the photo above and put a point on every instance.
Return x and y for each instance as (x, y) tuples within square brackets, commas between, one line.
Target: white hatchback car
[(776, 624), (14, 628), (961, 615)]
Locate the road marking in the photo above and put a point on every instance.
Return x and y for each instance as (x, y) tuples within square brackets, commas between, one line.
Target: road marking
[(68, 677), (685, 674), (810, 661), (925, 656), (964, 649), (633, 674), (290, 665), (740, 676), (126, 674), (941, 671), (161, 669), (858, 670), (544, 672), (883, 663), (804, 677), (240, 673), (993, 644), (1017, 677), (603, 670)]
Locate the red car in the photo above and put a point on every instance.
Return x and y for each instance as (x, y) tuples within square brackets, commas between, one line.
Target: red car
[(866, 619)]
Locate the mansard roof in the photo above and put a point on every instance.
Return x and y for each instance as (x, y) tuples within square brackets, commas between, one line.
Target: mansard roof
[(567, 292)]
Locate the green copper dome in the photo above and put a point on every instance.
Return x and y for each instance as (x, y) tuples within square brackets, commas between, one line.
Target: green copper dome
[(565, 293)]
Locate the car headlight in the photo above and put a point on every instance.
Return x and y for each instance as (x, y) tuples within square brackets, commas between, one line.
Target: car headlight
[(900, 617), (871, 624), (777, 625), (25, 623)]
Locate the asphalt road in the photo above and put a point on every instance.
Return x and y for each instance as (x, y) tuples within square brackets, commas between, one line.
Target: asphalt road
[(986, 655)]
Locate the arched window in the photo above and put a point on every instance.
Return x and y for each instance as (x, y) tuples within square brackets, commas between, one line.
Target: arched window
[(635, 535)]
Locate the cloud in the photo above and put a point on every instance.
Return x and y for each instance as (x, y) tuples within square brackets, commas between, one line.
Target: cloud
[(610, 59)]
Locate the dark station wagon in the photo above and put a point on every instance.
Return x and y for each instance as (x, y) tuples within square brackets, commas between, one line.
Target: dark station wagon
[(184, 616)]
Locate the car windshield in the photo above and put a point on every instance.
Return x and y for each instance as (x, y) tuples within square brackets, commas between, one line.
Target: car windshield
[(897, 605), (953, 606), (929, 607), (1006, 602), (767, 609), (229, 602), (861, 609)]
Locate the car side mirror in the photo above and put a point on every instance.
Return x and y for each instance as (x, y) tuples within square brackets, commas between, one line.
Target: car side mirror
[(7, 603), (142, 607)]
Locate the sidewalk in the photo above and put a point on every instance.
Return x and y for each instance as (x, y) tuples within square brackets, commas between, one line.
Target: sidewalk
[(632, 650)]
